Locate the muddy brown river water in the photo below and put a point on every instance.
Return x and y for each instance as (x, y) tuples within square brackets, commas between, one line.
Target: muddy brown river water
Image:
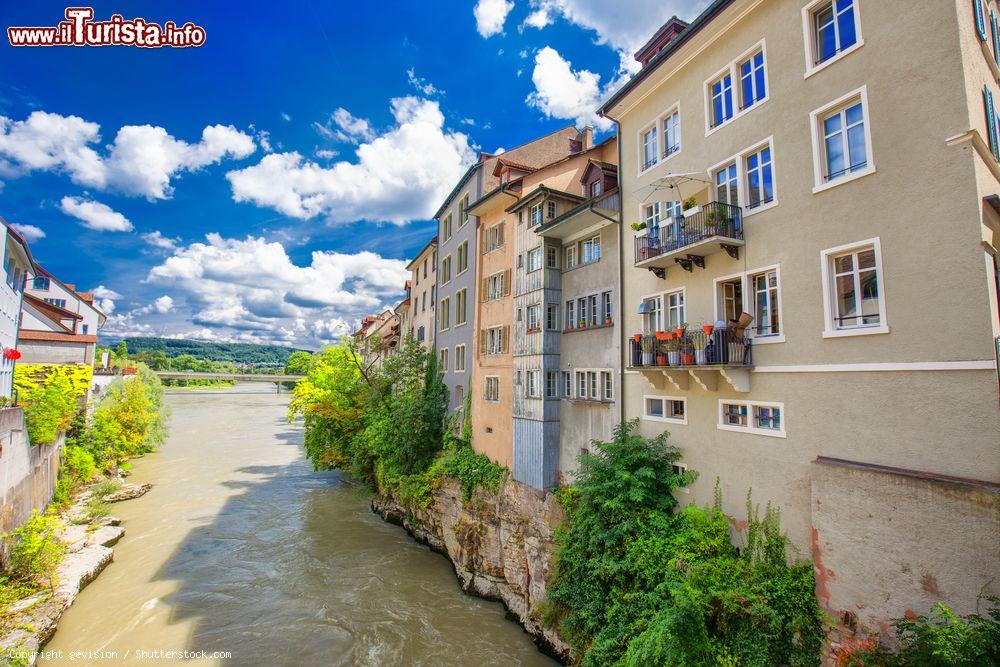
[(242, 548)]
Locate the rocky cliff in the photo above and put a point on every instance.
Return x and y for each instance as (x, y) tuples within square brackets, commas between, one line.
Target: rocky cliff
[(501, 546)]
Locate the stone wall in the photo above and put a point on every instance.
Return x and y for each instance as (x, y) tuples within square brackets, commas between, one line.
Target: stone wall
[(27, 473), (501, 546)]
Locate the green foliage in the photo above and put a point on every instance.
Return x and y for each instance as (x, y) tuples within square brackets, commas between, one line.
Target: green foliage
[(942, 639), (97, 508), (299, 363), (77, 469), (568, 496), (472, 469), (637, 583), (35, 550), (272, 357), (105, 486), (48, 407), (121, 351)]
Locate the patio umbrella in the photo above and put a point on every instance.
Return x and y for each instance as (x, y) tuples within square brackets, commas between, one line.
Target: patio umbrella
[(674, 187)]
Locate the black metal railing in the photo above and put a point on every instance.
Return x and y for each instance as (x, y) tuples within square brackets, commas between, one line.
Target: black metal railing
[(722, 347), (714, 219), (670, 150)]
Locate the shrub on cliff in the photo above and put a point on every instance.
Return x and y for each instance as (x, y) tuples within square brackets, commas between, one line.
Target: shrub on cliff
[(35, 550), (49, 406), (129, 420), (636, 583)]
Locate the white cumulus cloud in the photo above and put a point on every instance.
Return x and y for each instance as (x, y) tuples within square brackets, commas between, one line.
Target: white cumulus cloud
[(561, 92), (156, 239), (491, 16), (104, 299), (95, 215), (31, 233), (399, 175)]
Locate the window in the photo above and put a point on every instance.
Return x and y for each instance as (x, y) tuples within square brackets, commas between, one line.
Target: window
[(444, 314), (459, 358), (731, 293), (592, 308), (551, 384), (671, 134), (680, 469), (86, 329), (567, 384), (493, 238), (420, 334), (462, 257), (425, 269), (766, 308), (492, 389), (752, 417), (753, 87), (535, 214), (531, 388), (496, 340), (446, 228), (596, 188), (534, 259), (675, 310), (497, 286), (608, 385), (832, 30), (534, 317), (727, 185), (606, 307), (433, 293), (446, 270), (592, 384), (651, 309), (443, 357), (552, 317), (41, 284), (842, 148), (552, 210), (759, 178), (56, 302), (722, 100), (590, 250), (551, 257), (461, 300), (581, 385), (665, 408), (854, 290), (649, 152), (463, 211), (570, 313), (581, 311), (570, 253)]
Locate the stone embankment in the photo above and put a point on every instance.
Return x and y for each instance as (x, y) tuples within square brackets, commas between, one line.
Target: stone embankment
[(500, 545), (31, 622)]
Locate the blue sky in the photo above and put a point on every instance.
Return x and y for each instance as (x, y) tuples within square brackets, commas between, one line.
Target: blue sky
[(334, 129)]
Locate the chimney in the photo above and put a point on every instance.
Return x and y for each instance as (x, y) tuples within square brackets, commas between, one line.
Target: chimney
[(587, 137)]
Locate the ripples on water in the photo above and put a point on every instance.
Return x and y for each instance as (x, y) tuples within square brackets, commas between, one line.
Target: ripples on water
[(242, 547)]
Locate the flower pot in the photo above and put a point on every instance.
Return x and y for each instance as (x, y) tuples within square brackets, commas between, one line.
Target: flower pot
[(694, 210), (661, 359), (607, 322), (700, 357), (670, 335), (637, 337), (687, 359), (662, 335), (680, 332), (674, 358), (642, 232), (708, 328)]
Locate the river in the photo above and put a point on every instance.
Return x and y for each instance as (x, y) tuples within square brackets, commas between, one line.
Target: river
[(241, 547)]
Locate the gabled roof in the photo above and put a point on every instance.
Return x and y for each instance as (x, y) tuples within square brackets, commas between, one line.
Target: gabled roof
[(430, 244), (461, 184), (510, 164), (16, 235), (72, 289), (543, 190), (508, 188), (588, 204), (673, 25), (51, 313)]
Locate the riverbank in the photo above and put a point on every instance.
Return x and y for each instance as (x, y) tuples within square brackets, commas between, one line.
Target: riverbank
[(501, 546), (31, 622)]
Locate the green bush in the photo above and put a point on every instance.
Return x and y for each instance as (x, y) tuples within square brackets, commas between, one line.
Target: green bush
[(77, 469), (637, 583), (35, 550), (472, 470), (129, 421), (48, 408)]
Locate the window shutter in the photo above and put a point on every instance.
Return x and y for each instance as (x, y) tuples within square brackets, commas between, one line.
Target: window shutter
[(506, 282), (482, 342), (504, 339), (995, 29), (977, 6), (500, 235), (991, 119)]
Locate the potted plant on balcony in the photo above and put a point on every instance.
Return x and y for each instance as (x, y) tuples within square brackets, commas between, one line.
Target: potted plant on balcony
[(607, 321), (582, 324), (690, 207), (661, 355), (681, 328), (648, 343), (661, 335), (637, 337), (673, 346), (699, 341), (640, 228)]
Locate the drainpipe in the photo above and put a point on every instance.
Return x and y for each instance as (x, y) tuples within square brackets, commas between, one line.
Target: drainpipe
[(621, 272)]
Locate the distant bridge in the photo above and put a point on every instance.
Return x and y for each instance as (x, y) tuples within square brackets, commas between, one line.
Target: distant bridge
[(277, 380)]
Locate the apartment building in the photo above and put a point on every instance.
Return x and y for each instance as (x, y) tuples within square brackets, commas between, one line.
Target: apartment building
[(423, 294), (580, 236), (810, 299), (458, 253), (59, 324), (18, 267)]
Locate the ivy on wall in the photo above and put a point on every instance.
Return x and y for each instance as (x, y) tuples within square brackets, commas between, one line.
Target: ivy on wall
[(28, 376), (50, 395)]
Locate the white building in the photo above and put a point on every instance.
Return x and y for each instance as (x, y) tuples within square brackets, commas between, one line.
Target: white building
[(17, 265), (59, 325)]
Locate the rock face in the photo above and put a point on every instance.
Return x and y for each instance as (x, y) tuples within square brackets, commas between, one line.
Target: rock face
[(127, 492), (501, 546)]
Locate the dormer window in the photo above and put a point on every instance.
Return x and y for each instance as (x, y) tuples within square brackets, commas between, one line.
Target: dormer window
[(535, 215), (505, 177), (595, 189)]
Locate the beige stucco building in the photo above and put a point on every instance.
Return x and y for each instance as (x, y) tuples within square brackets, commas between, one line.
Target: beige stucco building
[(420, 317), (847, 181)]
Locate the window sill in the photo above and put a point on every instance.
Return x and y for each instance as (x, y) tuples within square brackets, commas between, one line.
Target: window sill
[(767, 340), (752, 431), (665, 420), (534, 330), (461, 272), (750, 212), (589, 401), (709, 130), (826, 63), (582, 265), (592, 327), (857, 331), (853, 176)]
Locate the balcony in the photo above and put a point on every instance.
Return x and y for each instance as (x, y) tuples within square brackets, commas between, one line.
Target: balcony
[(695, 355), (590, 215), (686, 241)]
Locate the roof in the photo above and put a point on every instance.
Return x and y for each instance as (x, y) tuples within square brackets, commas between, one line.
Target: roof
[(432, 242), (461, 184), (510, 164), (703, 19), (72, 288), (16, 235), (495, 191), (673, 23), (549, 224), (55, 336), (51, 310), (544, 190)]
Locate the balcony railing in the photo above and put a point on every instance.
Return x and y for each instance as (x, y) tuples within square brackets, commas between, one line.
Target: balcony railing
[(694, 349), (715, 220)]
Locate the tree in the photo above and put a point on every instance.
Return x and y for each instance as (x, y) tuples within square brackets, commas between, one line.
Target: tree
[(121, 352), (299, 363)]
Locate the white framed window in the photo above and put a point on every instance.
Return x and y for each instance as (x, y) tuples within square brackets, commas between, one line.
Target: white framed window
[(651, 310), (462, 258), (854, 290), (649, 154), (594, 390), (552, 317), (842, 143), (551, 209), (531, 385), (534, 317), (492, 388), (569, 253), (651, 216), (463, 210), (680, 469), (739, 87), (461, 306), (551, 257), (607, 386), (671, 409), (757, 292), (757, 417), (759, 178), (590, 250), (570, 313), (446, 228), (446, 270), (607, 307), (496, 340), (534, 262), (551, 384), (596, 188), (581, 311), (766, 303), (671, 124), (459, 358), (567, 384), (444, 316), (535, 214), (727, 184), (674, 309), (747, 179), (593, 307), (493, 238), (443, 359), (831, 30), (496, 286), (581, 385)]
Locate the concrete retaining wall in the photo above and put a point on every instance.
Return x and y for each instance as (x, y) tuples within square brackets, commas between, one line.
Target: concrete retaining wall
[(27, 473)]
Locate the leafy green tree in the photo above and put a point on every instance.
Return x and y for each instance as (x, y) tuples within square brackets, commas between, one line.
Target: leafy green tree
[(49, 407), (121, 352), (299, 363)]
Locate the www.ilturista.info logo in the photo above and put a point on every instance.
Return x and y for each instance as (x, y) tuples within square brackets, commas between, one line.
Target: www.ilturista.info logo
[(79, 29)]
